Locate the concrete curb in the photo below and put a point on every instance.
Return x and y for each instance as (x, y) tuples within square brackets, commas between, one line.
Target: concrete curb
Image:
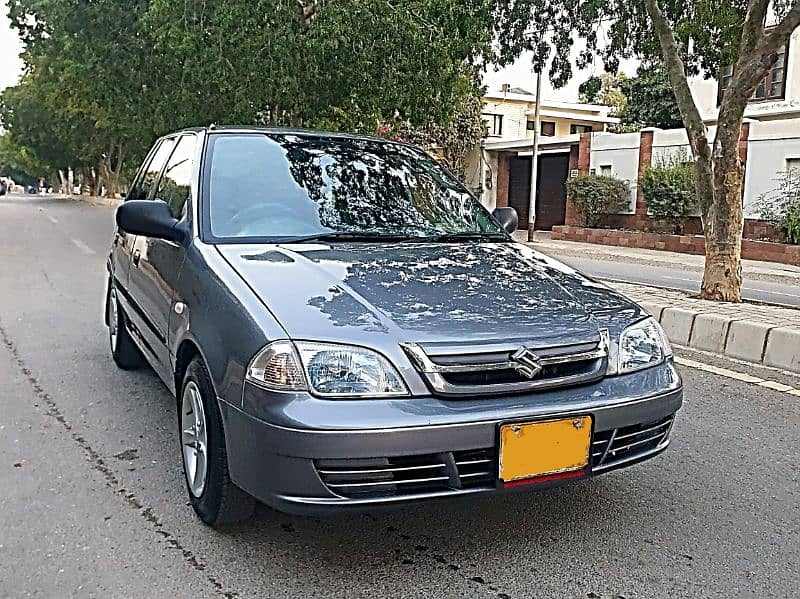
[(98, 201), (743, 339)]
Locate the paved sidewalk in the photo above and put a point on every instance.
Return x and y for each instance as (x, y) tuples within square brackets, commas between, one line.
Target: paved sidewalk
[(756, 333), (754, 268)]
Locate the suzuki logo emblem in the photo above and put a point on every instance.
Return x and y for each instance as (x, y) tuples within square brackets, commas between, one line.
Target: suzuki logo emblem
[(527, 363)]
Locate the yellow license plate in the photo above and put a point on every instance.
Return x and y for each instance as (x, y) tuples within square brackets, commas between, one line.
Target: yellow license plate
[(541, 448)]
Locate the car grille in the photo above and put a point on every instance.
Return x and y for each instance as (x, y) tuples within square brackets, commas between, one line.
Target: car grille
[(409, 475), (617, 446), (498, 369)]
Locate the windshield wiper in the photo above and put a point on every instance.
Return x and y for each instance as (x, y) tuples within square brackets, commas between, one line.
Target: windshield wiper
[(372, 236), (470, 236)]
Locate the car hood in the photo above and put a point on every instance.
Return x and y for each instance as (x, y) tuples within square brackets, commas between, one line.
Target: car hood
[(466, 292)]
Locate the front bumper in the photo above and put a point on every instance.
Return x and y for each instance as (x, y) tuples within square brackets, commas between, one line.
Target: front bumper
[(280, 456)]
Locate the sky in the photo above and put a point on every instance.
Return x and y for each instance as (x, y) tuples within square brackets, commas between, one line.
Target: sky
[(10, 47)]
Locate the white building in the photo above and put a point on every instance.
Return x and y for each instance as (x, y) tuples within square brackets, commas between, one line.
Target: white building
[(772, 145)]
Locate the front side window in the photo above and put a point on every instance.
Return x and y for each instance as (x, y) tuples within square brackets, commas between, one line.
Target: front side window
[(283, 186), (147, 180), (174, 187)]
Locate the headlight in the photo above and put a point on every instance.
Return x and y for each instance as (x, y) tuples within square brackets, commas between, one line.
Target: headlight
[(642, 345), (327, 369), (342, 370)]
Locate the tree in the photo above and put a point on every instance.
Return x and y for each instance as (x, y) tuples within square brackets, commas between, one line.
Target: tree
[(17, 162), (87, 72), (651, 102), (607, 90), (355, 65), (689, 37), (645, 100)]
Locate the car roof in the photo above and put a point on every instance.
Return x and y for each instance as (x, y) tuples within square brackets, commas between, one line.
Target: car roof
[(285, 131)]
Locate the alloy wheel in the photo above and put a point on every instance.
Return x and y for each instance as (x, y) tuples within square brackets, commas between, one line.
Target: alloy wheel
[(194, 439), (113, 319)]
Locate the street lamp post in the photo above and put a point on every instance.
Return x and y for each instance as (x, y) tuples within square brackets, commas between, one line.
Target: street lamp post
[(537, 125)]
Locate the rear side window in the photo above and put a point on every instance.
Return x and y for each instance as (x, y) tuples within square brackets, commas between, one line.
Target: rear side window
[(175, 184), (147, 180)]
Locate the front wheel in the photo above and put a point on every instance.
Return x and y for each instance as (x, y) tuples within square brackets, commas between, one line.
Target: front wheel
[(214, 497)]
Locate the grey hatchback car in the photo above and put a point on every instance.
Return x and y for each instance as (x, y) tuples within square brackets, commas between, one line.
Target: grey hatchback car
[(345, 327)]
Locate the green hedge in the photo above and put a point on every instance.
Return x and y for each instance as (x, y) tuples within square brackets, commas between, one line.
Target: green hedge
[(668, 191), (595, 196)]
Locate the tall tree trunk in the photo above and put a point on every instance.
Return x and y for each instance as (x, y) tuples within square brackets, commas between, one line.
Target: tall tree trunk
[(719, 174), (112, 178)]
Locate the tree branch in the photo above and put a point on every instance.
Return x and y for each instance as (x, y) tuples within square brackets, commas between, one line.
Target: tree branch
[(753, 25), (695, 128), (759, 51), (780, 33)]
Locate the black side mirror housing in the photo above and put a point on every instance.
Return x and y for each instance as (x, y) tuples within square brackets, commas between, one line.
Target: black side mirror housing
[(507, 217), (151, 218)]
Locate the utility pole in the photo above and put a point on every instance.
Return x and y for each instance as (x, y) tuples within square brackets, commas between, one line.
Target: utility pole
[(537, 120)]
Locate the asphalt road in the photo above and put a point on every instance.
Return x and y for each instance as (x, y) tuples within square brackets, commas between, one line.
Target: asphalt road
[(92, 501), (681, 276)]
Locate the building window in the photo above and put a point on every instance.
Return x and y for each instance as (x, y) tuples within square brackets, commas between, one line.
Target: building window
[(606, 170), (772, 87), (548, 128), (793, 164), (494, 124), (575, 128)]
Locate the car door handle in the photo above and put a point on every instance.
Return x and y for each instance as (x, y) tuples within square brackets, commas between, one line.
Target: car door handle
[(136, 255)]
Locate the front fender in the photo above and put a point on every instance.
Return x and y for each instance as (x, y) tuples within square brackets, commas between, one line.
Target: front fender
[(226, 321)]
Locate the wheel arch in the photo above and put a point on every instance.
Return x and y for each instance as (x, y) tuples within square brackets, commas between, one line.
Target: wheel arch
[(187, 351)]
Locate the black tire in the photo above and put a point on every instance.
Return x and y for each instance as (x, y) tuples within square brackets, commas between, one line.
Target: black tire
[(123, 350), (221, 501)]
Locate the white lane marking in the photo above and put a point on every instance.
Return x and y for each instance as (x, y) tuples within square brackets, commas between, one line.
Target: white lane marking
[(82, 246), (737, 361), (52, 219), (738, 376), (767, 291)]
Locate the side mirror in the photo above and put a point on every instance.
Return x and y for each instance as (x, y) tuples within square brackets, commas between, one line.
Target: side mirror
[(507, 217), (151, 218)]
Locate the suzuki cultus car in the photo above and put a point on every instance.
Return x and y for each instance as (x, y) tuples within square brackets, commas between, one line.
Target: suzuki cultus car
[(345, 326)]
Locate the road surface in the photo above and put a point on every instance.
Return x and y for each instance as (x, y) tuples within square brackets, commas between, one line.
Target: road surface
[(92, 501), (771, 283)]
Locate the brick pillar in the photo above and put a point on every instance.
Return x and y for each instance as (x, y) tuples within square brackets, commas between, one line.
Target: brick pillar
[(570, 218), (503, 169), (584, 153), (579, 159), (645, 160)]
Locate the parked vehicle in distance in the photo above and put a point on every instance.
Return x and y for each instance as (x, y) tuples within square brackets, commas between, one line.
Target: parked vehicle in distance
[(345, 327)]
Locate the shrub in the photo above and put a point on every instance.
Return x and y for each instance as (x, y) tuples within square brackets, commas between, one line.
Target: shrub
[(781, 206), (594, 196), (668, 190)]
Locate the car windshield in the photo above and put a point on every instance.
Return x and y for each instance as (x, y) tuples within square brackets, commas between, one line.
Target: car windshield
[(268, 186)]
